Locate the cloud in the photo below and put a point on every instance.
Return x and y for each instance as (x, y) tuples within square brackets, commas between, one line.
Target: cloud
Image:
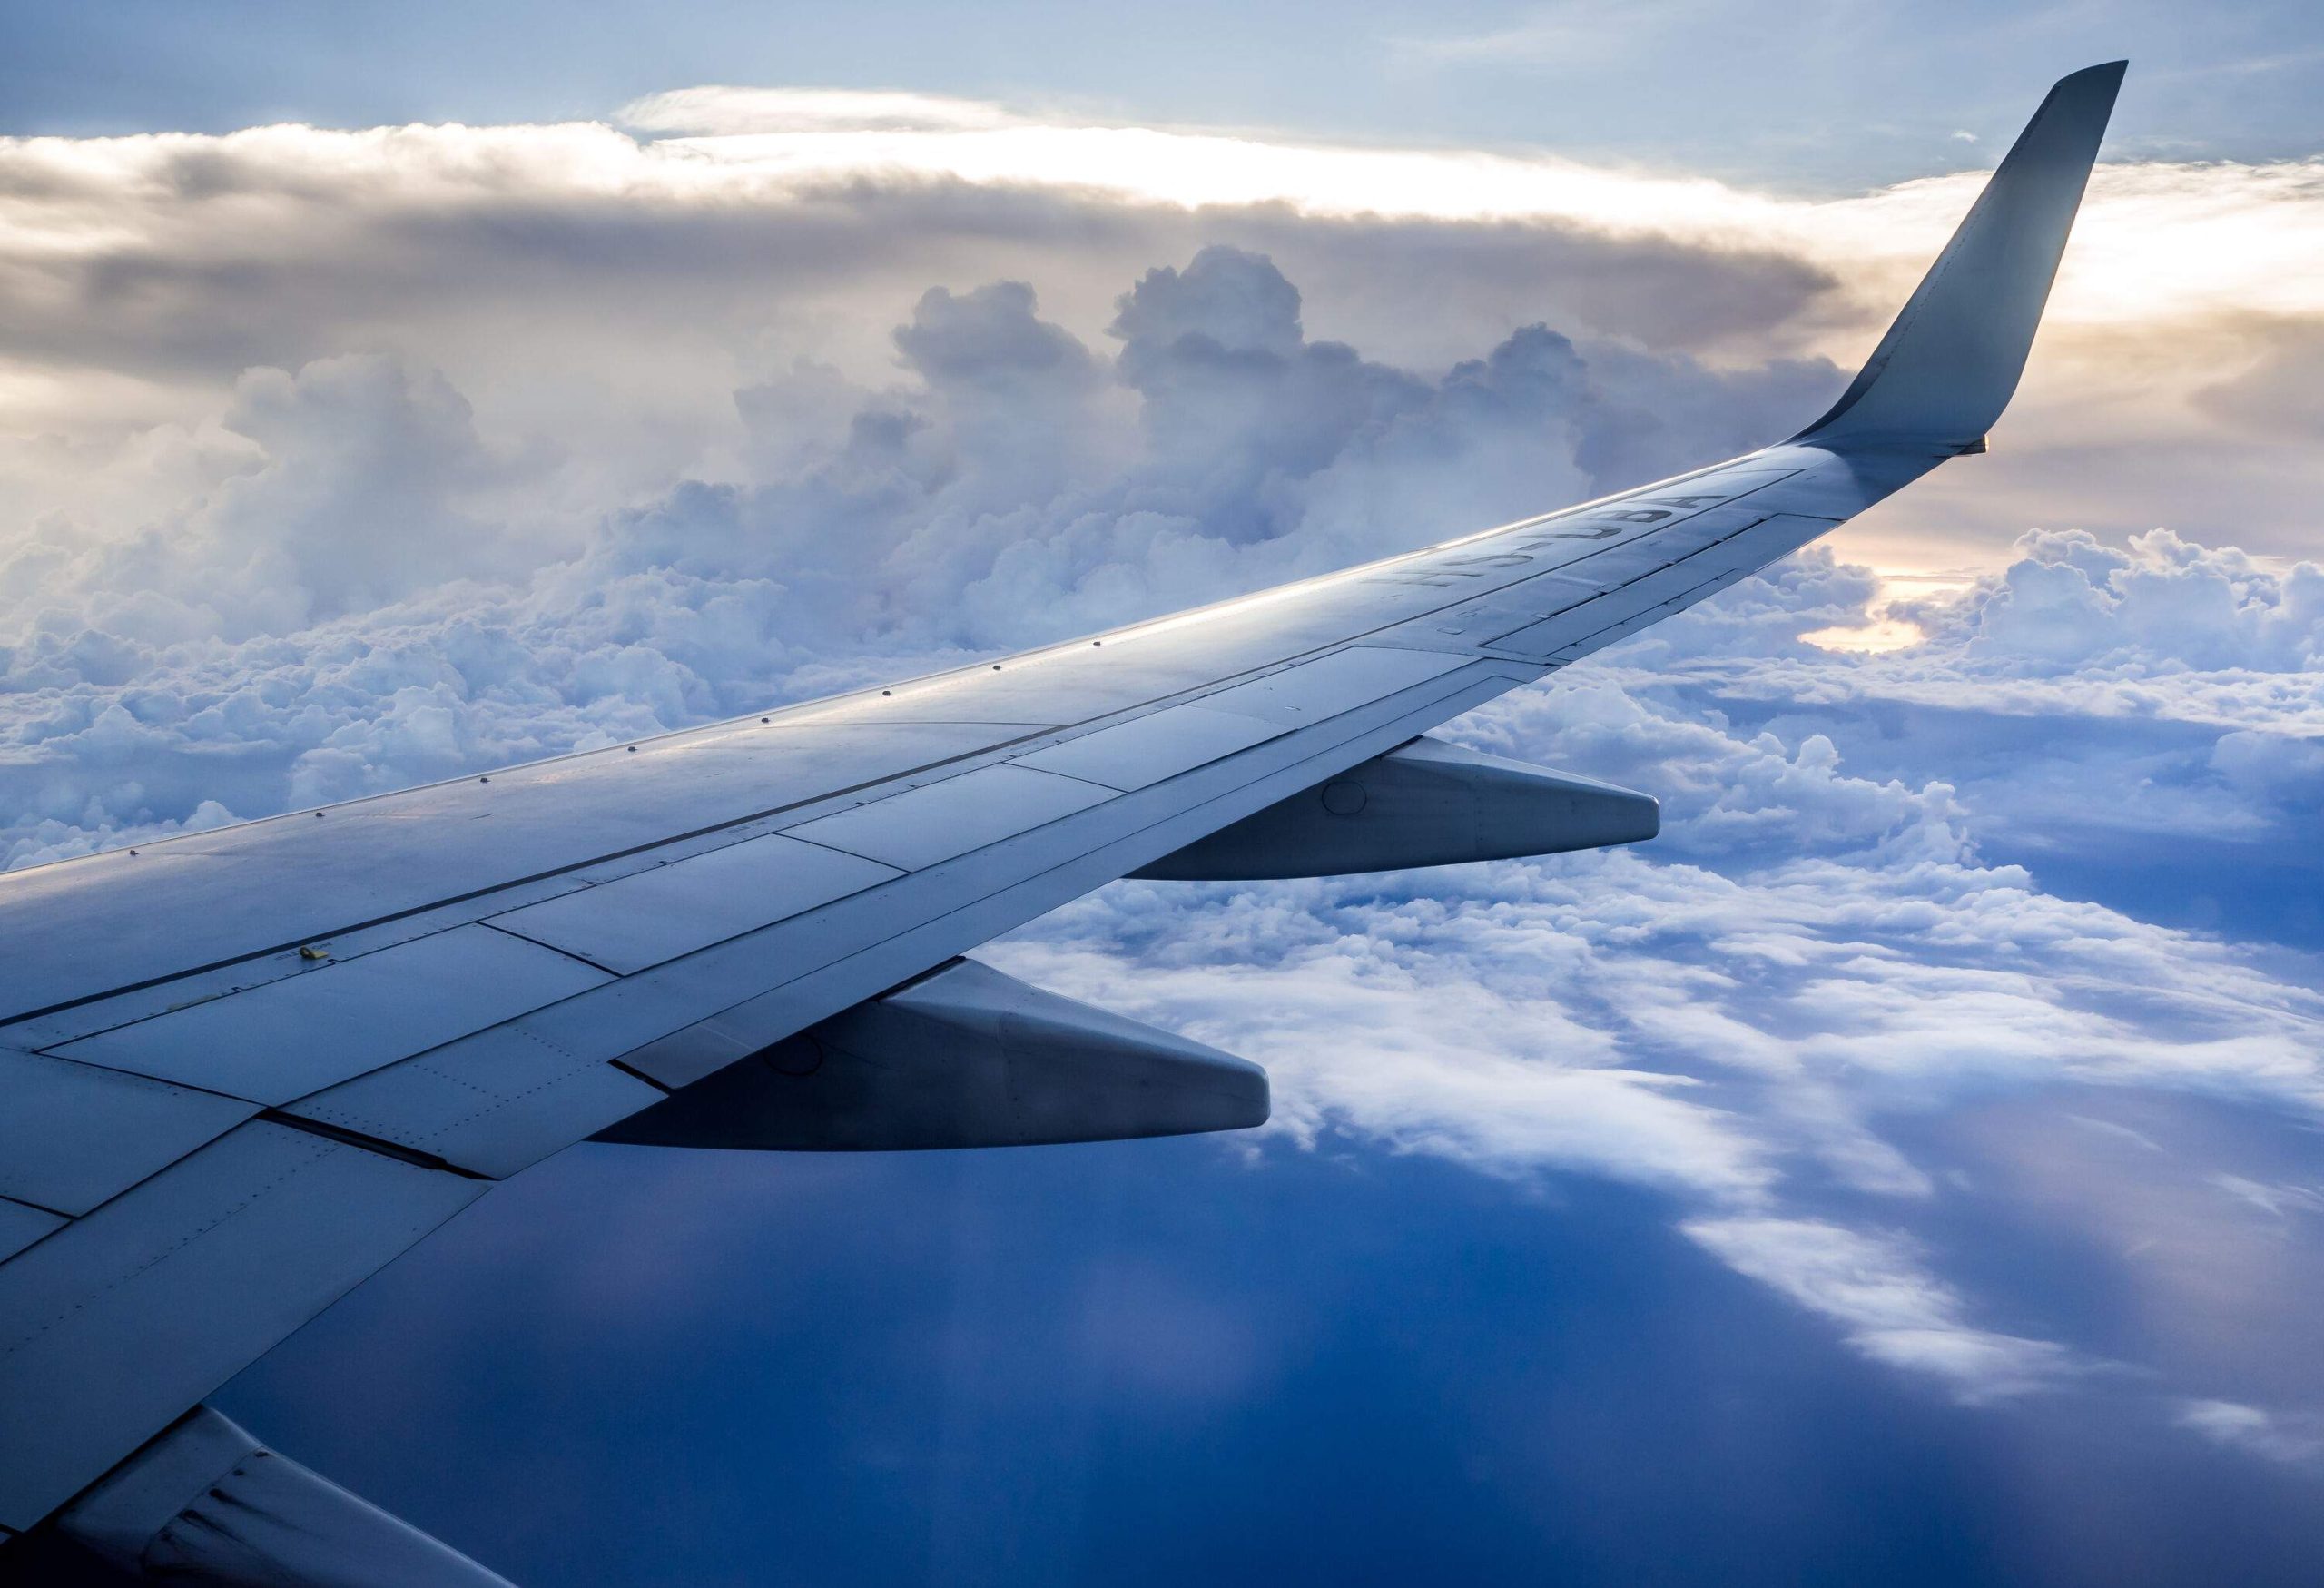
[(721, 111), (2242, 1427), (611, 289), (1893, 1310)]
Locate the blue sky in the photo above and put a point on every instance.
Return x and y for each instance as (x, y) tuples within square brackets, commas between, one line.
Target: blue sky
[(1903, 1170), (1859, 94)]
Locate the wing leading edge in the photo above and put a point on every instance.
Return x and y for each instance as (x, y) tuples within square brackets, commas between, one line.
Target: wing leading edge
[(258, 1063)]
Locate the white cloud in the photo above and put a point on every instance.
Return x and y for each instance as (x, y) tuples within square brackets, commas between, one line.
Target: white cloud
[(2242, 1427), (612, 290), (721, 111), (1892, 1310)]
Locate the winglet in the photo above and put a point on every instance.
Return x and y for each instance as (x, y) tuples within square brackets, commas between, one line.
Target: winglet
[(1947, 368)]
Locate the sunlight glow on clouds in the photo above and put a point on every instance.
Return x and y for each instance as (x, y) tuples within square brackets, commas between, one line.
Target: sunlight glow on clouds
[(609, 288), (2154, 240)]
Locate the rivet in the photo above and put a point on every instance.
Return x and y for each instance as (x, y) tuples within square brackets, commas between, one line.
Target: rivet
[(319, 815), (887, 692), (996, 667), (483, 779), (631, 748), (766, 719)]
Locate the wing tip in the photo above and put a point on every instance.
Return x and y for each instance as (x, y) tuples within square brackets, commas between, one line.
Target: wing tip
[(2099, 83), (1952, 359)]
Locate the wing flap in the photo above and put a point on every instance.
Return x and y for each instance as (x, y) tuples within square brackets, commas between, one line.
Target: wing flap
[(280, 1041), (647, 917), (920, 827), (20, 1226), (74, 1136), (118, 1322), (494, 1104), (1145, 750)]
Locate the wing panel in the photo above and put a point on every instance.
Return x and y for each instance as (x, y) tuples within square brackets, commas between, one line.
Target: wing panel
[(1314, 691), (1147, 749), (115, 1324), (650, 916), (284, 1040), (72, 1136), (497, 1102), (937, 821), (20, 1226)]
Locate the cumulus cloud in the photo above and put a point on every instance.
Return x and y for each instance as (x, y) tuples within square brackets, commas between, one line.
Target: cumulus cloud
[(611, 286), (367, 590)]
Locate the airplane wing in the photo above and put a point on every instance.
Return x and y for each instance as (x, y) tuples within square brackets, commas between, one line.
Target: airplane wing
[(243, 1069)]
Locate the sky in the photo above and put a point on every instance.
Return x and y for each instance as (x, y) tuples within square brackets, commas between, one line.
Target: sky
[(1905, 1168)]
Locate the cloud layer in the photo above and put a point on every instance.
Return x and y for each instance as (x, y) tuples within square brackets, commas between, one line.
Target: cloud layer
[(609, 288), (362, 458)]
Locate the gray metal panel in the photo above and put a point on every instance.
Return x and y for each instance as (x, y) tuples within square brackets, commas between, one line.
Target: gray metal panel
[(1147, 749), (1331, 684), (20, 1226), (1773, 537), (111, 1329), (923, 825), (1539, 597), (287, 1039), (72, 1136), (499, 1102), (650, 916)]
